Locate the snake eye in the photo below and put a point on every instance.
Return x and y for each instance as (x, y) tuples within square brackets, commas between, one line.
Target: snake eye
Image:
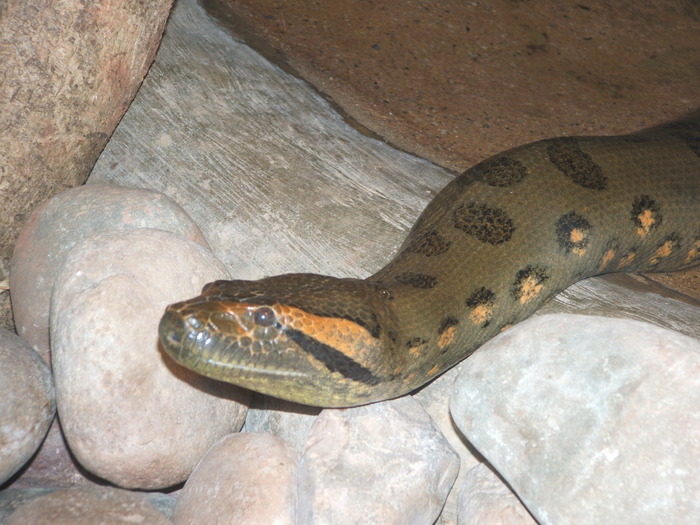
[(264, 316)]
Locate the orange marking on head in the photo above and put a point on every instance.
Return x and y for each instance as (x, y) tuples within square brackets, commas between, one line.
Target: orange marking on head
[(341, 334), (481, 314), (626, 260), (647, 220), (447, 337), (530, 288)]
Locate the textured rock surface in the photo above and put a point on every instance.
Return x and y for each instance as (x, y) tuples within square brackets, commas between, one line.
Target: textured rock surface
[(485, 500), (27, 402), (88, 506), (63, 221), (382, 463), (289, 421), (69, 71), (53, 465), (456, 81), (129, 414), (244, 478), (589, 419)]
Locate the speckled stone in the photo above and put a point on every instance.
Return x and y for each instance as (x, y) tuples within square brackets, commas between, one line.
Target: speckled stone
[(456, 82), (69, 71), (27, 403), (88, 506)]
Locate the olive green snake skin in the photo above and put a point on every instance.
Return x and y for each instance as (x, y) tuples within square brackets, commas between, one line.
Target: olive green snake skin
[(493, 245)]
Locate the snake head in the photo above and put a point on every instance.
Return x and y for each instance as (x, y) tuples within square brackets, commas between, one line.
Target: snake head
[(306, 338)]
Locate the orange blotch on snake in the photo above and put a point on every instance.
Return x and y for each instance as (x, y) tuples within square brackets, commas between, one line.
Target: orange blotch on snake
[(447, 337), (530, 288), (434, 370), (627, 259), (693, 253), (663, 251), (647, 220), (608, 256), (481, 315)]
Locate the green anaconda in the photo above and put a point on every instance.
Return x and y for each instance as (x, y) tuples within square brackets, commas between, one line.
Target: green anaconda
[(488, 250)]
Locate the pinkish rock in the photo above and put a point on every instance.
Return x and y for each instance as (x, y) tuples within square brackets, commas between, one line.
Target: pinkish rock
[(69, 71), (59, 224), (381, 463), (27, 403), (244, 478), (129, 413), (88, 506)]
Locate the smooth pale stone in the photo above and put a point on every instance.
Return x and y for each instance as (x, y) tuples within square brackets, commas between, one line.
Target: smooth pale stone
[(244, 478), (88, 506), (589, 419), (382, 463), (27, 402), (435, 398), (485, 499), (63, 221), (129, 413)]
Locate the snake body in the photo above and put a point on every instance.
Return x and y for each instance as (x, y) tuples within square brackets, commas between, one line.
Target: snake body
[(488, 250)]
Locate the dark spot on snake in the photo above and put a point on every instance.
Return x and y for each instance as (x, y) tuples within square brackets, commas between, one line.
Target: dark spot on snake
[(491, 225), (480, 297), (429, 244), (572, 232), (415, 342), (264, 316), (334, 360), (499, 171), (447, 322), (566, 154), (485, 299), (417, 280)]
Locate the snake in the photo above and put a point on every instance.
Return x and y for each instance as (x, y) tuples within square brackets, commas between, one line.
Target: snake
[(488, 250)]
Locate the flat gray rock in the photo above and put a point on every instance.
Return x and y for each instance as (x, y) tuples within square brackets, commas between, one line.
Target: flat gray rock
[(589, 419)]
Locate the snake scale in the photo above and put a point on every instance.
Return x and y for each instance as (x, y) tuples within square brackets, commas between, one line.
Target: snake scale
[(488, 250)]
